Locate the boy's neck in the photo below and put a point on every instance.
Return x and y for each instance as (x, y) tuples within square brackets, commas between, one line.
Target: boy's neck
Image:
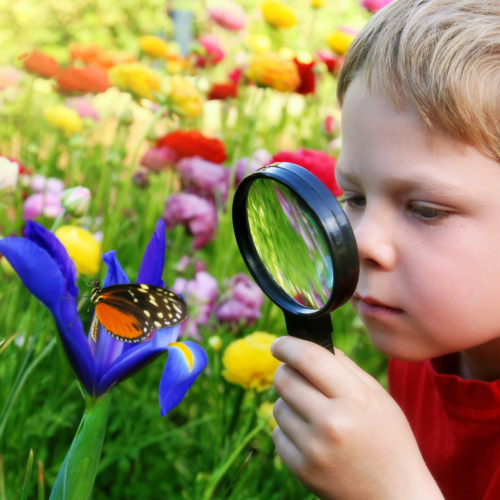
[(481, 362)]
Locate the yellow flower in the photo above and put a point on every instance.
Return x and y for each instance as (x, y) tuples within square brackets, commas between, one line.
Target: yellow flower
[(273, 70), (248, 361), (153, 46), (278, 14), (317, 3), (258, 43), (266, 412), (184, 96), (66, 119), (340, 40), (82, 247), (5, 265), (136, 79)]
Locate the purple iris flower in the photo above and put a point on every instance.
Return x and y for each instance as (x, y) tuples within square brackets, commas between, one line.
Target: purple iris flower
[(45, 268)]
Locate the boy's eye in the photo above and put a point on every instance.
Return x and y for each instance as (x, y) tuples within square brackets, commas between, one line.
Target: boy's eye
[(428, 214), (353, 201)]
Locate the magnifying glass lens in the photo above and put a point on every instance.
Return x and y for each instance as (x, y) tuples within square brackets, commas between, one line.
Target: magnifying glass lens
[(290, 243)]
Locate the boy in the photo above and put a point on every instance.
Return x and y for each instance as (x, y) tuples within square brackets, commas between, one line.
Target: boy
[(420, 96)]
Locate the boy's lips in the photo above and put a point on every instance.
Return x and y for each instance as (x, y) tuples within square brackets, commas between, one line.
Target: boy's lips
[(368, 306)]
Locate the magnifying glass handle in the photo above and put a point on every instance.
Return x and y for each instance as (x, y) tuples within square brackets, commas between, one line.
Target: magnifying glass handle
[(317, 330)]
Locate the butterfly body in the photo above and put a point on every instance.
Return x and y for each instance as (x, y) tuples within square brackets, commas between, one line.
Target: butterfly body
[(131, 312)]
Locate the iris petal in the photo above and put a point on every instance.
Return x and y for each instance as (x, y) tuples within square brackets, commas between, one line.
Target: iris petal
[(108, 349), (154, 258), (116, 275), (178, 375), (135, 359), (51, 244), (43, 278), (37, 270)]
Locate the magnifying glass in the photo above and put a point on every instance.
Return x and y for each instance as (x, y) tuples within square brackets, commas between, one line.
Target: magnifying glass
[(298, 245)]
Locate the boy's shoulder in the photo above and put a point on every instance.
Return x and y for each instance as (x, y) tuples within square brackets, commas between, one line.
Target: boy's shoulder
[(456, 423)]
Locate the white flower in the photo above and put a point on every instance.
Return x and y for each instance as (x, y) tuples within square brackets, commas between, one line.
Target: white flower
[(9, 173)]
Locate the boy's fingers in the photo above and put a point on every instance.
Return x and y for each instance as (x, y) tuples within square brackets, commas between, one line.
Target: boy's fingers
[(303, 397), (330, 375), (365, 377)]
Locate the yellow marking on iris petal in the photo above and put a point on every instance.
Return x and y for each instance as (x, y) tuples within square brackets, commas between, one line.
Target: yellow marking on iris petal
[(187, 353)]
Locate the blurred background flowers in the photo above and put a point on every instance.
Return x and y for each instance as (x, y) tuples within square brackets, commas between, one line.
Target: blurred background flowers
[(116, 114)]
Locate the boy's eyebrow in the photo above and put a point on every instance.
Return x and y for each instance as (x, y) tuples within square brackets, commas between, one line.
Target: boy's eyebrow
[(404, 184)]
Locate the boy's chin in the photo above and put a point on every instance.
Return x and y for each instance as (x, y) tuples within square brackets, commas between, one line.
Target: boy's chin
[(400, 349)]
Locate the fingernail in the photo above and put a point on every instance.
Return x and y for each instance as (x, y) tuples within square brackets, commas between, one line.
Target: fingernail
[(274, 345)]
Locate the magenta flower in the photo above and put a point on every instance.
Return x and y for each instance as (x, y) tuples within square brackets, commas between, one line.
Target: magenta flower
[(159, 158), (230, 16), (47, 204), (198, 215), (374, 5), (204, 178), (245, 300), (213, 49), (83, 107), (200, 293)]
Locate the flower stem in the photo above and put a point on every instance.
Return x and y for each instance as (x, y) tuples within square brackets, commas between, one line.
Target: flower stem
[(218, 474), (79, 469)]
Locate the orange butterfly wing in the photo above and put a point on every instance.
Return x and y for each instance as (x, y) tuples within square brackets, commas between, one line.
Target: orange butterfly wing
[(131, 312)]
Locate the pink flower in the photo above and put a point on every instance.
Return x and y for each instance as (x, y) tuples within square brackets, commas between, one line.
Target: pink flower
[(244, 301), (201, 294), (204, 178), (213, 49), (317, 162), (83, 107), (230, 16), (244, 166), (198, 215), (374, 5), (159, 158), (40, 183), (47, 204), (9, 77)]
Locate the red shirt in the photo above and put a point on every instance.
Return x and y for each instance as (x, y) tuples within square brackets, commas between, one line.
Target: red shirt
[(456, 423)]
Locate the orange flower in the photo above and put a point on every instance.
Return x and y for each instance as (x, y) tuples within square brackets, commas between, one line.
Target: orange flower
[(91, 53), (87, 52), (90, 79), (107, 60), (273, 70), (41, 65)]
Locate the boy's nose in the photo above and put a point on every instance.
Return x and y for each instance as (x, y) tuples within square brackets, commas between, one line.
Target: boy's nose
[(375, 237)]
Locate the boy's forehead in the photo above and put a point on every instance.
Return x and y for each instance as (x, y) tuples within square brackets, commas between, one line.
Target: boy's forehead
[(380, 143)]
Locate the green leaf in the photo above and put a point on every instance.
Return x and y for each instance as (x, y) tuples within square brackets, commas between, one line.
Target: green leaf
[(24, 491), (79, 469)]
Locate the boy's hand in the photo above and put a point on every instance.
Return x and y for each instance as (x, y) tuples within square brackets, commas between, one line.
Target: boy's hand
[(340, 432)]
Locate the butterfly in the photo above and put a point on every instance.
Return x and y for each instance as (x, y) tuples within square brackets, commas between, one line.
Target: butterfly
[(131, 312)]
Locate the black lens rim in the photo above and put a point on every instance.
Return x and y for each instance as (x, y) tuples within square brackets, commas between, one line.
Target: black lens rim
[(329, 216)]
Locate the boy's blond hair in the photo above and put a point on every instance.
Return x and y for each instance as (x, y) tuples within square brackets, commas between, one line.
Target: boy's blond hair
[(440, 56)]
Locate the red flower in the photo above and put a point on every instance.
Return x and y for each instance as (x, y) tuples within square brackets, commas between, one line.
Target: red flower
[(223, 91), (90, 79), (40, 64), (187, 143), (307, 77), (235, 75), (317, 162), (333, 61)]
